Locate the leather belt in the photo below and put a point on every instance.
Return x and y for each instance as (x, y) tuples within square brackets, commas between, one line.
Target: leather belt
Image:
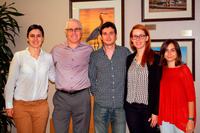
[(72, 92)]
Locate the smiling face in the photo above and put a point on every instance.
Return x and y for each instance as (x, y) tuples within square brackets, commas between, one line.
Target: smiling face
[(108, 36), (139, 39), (73, 37), (35, 38), (170, 54)]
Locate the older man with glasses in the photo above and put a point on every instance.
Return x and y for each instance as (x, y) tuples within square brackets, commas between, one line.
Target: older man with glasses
[(72, 98)]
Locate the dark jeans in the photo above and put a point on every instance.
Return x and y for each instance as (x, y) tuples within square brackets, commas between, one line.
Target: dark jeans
[(137, 118)]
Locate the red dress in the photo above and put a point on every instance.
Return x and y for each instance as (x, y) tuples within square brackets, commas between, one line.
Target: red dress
[(176, 90)]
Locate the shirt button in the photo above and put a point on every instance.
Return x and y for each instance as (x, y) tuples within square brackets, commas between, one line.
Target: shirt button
[(113, 97), (113, 90), (112, 75), (113, 82)]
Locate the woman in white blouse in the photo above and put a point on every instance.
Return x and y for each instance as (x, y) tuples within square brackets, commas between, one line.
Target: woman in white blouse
[(26, 88)]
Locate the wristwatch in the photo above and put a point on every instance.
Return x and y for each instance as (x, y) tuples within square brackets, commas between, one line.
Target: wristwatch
[(191, 119)]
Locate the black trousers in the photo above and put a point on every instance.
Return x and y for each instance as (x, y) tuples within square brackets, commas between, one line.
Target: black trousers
[(137, 118)]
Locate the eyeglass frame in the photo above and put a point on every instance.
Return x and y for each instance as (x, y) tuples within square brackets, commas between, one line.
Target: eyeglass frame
[(70, 30), (140, 37)]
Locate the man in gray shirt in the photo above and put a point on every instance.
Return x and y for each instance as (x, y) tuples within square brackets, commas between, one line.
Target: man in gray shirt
[(107, 71), (72, 98)]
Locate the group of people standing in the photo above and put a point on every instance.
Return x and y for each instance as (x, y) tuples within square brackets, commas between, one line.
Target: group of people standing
[(143, 89)]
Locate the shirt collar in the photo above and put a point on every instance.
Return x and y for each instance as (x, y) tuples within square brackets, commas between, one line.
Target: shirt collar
[(27, 51), (102, 50), (67, 45)]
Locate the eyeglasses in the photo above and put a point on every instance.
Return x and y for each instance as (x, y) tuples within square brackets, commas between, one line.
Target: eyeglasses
[(75, 30), (140, 37)]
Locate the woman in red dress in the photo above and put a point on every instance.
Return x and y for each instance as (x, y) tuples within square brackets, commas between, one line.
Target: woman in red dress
[(177, 107)]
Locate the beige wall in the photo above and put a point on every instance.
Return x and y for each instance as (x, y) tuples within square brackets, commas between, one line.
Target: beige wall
[(52, 15)]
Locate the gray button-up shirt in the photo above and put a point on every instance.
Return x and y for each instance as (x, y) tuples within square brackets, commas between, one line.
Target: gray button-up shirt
[(107, 76)]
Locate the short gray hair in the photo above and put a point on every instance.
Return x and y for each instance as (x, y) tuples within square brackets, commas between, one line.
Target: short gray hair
[(72, 19)]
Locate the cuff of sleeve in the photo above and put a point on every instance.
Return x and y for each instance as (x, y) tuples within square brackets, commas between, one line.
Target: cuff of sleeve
[(9, 105), (155, 112)]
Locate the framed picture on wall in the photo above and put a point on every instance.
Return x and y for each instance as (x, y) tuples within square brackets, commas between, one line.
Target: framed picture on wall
[(167, 10), (93, 13), (187, 49)]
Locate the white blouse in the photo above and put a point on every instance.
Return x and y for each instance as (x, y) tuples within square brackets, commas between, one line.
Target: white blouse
[(28, 77)]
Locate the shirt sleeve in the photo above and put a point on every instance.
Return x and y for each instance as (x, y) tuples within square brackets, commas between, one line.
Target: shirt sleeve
[(51, 70), (158, 78), (128, 52), (92, 73), (11, 81), (53, 56), (188, 84)]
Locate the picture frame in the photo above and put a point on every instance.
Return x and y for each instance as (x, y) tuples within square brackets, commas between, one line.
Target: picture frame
[(76, 5), (158, 11), (187, 49)]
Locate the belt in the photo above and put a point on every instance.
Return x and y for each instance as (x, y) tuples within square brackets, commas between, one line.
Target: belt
[(72, 92)]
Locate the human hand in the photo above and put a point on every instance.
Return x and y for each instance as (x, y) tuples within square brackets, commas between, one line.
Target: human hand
[(9, 112), (154, 120), (190, 126)]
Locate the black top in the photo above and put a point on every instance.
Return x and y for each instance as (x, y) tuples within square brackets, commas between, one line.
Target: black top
[(154, 77)]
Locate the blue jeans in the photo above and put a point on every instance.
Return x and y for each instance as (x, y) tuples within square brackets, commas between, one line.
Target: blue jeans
[(137, 118), (166, 127), (102, 116)]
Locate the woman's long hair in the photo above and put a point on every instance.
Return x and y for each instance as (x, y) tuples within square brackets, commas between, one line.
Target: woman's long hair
[(148, 55), (163, 49)]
